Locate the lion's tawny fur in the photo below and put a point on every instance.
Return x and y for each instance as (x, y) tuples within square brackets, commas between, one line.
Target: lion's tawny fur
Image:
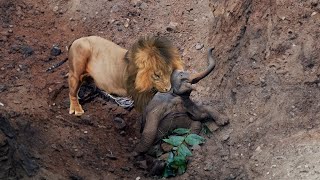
[(138, 72)]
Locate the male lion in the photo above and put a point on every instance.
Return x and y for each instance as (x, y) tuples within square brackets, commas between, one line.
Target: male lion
[(138, 72)]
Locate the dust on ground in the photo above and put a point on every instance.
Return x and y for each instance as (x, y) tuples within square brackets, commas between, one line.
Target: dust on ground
[(266, 80)]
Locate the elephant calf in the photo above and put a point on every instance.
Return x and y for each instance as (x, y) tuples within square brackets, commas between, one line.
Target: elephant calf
[(174, 109)]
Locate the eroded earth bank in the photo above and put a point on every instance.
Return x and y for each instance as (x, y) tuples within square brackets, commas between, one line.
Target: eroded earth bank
[(266, 81)]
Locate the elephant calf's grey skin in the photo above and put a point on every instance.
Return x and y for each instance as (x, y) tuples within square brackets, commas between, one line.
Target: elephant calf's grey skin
[(174, 109)]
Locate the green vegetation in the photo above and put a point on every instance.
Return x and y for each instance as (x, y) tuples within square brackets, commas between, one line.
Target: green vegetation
[(181, 141)]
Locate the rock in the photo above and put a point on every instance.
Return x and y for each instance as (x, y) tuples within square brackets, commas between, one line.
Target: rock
[(136, 2), (16, 102), (196, 147), (143, 5), (258, 149), (156, 167), (314, 3), (3, 139), (3, 87), (75, 177), (119, 123), (78, 154), (199, 46), (26, 50), (111, 156), (55, 9), (126, 23), (314, 13), (5, 34), (251, 120), (164, 156), (212, 126), (22, 67), (10, 31), (55, 51), (126, 168), (166, 147), (111, 170), (225, 136), (208, 167), (3, 39), (172, 26), (115, 8)]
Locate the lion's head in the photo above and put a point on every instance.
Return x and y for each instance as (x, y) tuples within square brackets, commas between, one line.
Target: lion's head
[(151, 62), (155, 58)]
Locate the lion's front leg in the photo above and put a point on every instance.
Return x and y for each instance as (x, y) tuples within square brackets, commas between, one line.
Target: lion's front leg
[(74, 85)]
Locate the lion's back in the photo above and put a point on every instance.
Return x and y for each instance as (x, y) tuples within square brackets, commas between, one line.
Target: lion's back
[(104, 62)]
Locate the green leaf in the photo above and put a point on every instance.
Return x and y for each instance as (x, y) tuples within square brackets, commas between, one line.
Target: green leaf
[(182, 169), (193, 139), (169, 171), (179, 161), (184, 151), (181, 131), (174, 140), (180, 164), (170, 158), (205, 129)]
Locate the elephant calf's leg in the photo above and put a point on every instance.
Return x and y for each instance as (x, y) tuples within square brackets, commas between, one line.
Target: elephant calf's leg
[(195, 127), (145, 143), (219, 118)]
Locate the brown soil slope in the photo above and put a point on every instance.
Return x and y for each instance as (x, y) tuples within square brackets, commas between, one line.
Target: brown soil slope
[(266, 80)]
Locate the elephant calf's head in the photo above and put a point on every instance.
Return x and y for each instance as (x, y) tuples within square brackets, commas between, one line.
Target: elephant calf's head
[(182, 81)]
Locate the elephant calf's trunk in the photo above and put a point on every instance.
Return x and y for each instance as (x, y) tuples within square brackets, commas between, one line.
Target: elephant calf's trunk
[(198, 76)]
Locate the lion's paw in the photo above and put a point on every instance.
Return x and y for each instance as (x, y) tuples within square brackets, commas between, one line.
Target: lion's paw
[(78, 111)]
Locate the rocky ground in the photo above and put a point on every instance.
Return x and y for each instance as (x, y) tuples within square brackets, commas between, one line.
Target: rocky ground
[(266, 80)]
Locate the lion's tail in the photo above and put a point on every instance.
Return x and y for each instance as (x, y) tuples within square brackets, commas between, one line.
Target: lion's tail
[(50, 69)]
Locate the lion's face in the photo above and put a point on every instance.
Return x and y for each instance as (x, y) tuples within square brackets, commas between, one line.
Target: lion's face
[(155, 76), (161, 80)]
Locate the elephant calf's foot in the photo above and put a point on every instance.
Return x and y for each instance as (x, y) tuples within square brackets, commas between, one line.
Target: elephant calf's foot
[(222, 120)]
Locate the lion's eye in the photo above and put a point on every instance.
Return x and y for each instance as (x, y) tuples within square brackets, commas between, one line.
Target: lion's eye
[(156, 76)]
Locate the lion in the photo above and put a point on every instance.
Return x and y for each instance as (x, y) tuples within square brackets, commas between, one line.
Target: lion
[(139, 72)]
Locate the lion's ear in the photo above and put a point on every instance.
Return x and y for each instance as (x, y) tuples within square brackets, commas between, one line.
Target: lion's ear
[(142, 59), (143, 82), (177, 64)]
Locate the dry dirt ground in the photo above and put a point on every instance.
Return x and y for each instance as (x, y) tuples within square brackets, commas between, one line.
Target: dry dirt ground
[(266, 80)]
